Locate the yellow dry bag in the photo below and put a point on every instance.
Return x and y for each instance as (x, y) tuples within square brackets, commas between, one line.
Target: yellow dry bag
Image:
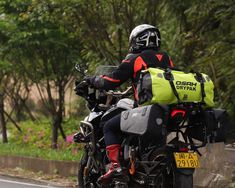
[(174, 86)]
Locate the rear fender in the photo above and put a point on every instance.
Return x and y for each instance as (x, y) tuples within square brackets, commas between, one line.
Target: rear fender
[(185, 171)]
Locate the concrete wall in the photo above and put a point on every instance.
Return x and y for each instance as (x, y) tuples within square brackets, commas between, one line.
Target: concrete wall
[(47, 166), (217, 165)]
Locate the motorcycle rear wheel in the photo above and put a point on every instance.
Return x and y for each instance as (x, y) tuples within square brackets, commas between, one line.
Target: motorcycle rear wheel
[(176, 179), (183, 180)]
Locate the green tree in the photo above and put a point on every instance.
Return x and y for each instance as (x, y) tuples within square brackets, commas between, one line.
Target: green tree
[(206, 38), (45, 50)]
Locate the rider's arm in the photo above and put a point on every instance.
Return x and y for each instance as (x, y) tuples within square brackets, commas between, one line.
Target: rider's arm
[(116, 78)]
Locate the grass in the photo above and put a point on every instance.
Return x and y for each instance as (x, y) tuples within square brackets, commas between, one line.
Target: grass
[(20, 150), (35, 141)]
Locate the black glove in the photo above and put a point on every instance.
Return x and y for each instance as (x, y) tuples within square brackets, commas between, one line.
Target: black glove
[(90, 80), (81, 88)]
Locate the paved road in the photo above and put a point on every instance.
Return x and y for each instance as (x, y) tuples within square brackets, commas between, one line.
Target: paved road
[(9, 182)]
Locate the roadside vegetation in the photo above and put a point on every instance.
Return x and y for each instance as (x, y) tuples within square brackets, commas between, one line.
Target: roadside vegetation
[(34, 141), (62, 154)]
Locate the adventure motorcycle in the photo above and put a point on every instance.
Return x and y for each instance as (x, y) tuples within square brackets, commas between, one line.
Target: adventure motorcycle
[(164, 155)]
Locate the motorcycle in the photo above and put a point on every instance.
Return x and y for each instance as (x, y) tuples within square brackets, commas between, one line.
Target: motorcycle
[(168, 161)]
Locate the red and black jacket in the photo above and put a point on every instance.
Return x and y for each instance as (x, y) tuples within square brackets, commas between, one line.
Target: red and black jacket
[(130, 69)]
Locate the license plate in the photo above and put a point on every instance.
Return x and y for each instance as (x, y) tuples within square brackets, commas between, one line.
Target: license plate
[(186, 160)]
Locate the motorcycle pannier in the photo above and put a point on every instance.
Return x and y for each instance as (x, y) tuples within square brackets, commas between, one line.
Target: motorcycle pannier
[(146, 120), (210, 124), (173, 86)]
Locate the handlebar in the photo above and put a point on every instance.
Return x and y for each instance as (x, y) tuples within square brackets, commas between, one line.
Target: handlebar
[(119, 94), (105, 98), (114, 94)]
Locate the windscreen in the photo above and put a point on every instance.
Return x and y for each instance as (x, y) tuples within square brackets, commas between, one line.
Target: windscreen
[(105, 69)]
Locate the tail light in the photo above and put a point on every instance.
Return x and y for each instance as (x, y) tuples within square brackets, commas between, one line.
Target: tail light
[(178, 112), (184, 149)]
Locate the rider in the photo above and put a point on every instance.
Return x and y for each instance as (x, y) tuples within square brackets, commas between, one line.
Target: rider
[(144, 52)]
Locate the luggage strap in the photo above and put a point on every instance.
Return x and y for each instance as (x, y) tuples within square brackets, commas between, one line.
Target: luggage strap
[(200, 78), (168, 76)]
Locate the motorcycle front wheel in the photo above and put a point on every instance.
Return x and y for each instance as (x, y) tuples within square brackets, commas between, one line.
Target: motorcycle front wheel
[(81, 167), (92, 175)]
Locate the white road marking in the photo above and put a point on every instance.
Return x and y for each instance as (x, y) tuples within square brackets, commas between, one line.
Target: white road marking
[(28, 184)]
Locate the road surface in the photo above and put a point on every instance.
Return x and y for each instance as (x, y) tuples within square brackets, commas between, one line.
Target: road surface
[(10, 182)]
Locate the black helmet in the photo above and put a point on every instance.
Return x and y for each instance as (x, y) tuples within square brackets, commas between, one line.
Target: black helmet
[(143, 37)]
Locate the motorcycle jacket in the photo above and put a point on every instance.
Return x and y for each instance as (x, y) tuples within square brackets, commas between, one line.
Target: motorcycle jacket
[(131, 67)]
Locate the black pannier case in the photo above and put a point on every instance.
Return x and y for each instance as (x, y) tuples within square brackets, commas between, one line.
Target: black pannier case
[(147, 121), (209, 125)]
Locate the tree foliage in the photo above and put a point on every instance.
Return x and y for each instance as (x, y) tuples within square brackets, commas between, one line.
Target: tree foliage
[(41, 46), (207, 42)]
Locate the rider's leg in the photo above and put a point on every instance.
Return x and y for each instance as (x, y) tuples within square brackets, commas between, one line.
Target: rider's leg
[(112, 131), (112, 136)]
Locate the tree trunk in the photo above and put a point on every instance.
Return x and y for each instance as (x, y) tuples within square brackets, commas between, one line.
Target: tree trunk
[(29, 112), (54, 136), (57, 125), (2, 119), (62, 131), (13, 121), (58, 119), (61, 108), (18, 109)]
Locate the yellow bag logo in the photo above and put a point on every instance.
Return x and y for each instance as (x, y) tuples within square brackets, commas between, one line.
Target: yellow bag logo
[(186, 85)]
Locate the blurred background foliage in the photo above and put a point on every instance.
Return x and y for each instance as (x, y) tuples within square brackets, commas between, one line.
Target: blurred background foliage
[(41, 41)]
